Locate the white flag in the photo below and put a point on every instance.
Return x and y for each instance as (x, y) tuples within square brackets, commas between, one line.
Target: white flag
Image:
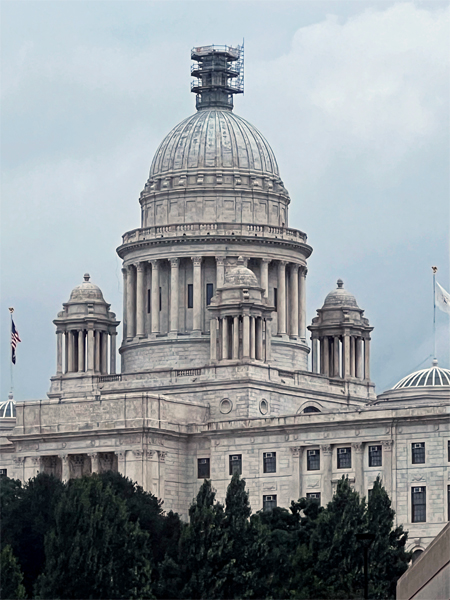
[(442, 299)]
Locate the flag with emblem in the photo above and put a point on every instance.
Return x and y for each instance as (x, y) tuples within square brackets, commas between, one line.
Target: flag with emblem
[(442, 298)]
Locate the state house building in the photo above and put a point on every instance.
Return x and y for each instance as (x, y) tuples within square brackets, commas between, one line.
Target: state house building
[(220, 372)]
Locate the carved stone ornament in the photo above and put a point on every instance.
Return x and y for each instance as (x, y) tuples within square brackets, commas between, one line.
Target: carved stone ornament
[(138, 454), (149, 454), (296, 451), (36, 460), (19, 459), (357, 446), (326, 448), (162, 456), (387, 445)]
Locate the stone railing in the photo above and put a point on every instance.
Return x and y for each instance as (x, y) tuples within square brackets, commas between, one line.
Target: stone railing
[(216, 229)]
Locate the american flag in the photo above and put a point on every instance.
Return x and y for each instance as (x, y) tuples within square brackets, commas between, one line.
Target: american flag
[(15, 339)]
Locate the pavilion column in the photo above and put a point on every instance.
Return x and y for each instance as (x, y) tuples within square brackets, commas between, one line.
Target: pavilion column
[(265, 276), (327, 454), (235, 338), (155, 296), (268, 340), (94, 462), (112, 353), (281, 300), (225, 338), (131, 302), (336, 370), (71, 344), (59, 352), (197, 285), (302, 303), (220, 271), (252, 337), (66, 352), (346, 358), (246, 336), (140, 299), (296, 485), (90, 349), (367, 358), (326, 356), (104, 352), (65, 475), (125, 303), (174, 262), (314, 355), (259, 339), (97, 352), (213, 339), (359, 358), (293, 309), (352, 356), (358, 450), (81, 359), (387, 466)]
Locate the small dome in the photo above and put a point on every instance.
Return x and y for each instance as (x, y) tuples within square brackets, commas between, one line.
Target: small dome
[(8, 408), (240, 276), (431, 377), (340, 298), (86, 291)]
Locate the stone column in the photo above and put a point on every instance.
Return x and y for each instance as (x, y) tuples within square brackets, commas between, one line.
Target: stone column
[(121, 462), (94, 462), (140, 300), (336, 372), (281, 300), (131, 302), (387, 465), (112, 353), (197, 288), (104, 352), (293, 309), (315, 355), (70, 352), (148, 487), (296, 486), (327, 455), (268, 340), (225, 338), (80, 350), (367, 358), (346, 357), (302, 303), (174, 262), (66, 352), (155, 296), (65, 475), (259, 339), (359, 358), (246, 336), (125, 303), (352, 357), (213, 338), (252, 338), (236, 338), (90, 348), (358, 451), (220, 270), (59, 352), (97, 352), (326, 356), (265, 276), (161, 474)]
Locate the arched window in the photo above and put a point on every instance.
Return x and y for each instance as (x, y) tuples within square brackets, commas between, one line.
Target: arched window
[(311, 409), (416, 554)]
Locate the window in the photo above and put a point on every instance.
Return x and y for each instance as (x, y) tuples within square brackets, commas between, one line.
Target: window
[(369, 494), (418, 453), (209, 293), (448, 451), (236, 464), (275, 298), (203, 468), (448, 501), (419, 504), (375, 459), (344, 458), (269, 502), (160, 299), (313, 460), (314, 496), (190, 295), (416, 554), (3, 472), (149, 300), (270, 462), (311, 409)]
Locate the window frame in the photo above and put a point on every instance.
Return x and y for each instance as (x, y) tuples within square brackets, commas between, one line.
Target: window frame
[(190, 295), (416, 446), (209, 296), (232, 463), (309, 453), (268, 461), (347, 453), (378, 452), (208, 463), (272, 498), (314, 496), (414, 505)]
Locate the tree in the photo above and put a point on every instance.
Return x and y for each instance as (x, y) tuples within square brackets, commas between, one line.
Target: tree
[(11, 577), (94, 549)]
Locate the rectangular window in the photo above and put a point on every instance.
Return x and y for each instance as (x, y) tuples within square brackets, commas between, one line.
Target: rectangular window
[(203, 468), (418, 453), (236, 464), (269, 502), (419, 504), (369, 494), (190, 295), (209, 293), (313, 460), (160, 299), (270, 462), (149, 300), (275, 298), (314, 496), (3, 472), (344, 458), (448, 501), (375, 455), (448, 451)]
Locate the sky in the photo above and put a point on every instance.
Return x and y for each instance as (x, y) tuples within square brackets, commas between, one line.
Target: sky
[(352, 96)]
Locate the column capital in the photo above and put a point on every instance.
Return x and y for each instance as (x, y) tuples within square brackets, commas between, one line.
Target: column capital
[(296, 451), (326, 448), (138, 453), (154, 262), (197, 260), (387, 445), (120, 454), (266, 260), (140, 267), (303, 271), (220, 260), (358, 446), (19, 459), (162, 456), (93, 454), (149, 454), (36, 460), (282, 263), (174, 262), (64, 458), (125, 271)]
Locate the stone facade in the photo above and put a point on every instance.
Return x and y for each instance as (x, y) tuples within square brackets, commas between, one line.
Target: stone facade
[(215, 370)]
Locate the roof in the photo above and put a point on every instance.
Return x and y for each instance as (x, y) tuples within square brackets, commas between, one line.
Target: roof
[(431, 377), (8, 408), (86, 291), (340, 298)]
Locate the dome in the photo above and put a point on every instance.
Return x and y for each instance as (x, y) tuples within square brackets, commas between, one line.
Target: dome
[(86, 291), (240, 276), (340, 298), (214, 139), (8, 408), (431, 377)]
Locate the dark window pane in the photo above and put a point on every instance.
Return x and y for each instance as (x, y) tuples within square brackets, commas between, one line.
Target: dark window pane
[(269, 502), (448, 502), (314, 496), (375, 456), (203, 468), (313, 460), (149, 300), (3, 472), (416, 554), (311, 409), (418, 453), (209, 293), (344, 458), (270, 462), (236, 464), (275, 298), (190, 295), (448, 451), (160, 299), (419, 504)]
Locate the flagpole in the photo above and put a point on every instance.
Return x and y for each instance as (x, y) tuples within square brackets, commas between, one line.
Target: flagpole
[(11, 310), (434, 269)]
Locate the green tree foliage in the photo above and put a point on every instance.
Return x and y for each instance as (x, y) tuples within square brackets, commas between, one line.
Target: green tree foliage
[(94, 549), (11, 577)]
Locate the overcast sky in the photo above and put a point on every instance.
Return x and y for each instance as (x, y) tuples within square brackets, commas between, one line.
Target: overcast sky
[(352, 96)]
